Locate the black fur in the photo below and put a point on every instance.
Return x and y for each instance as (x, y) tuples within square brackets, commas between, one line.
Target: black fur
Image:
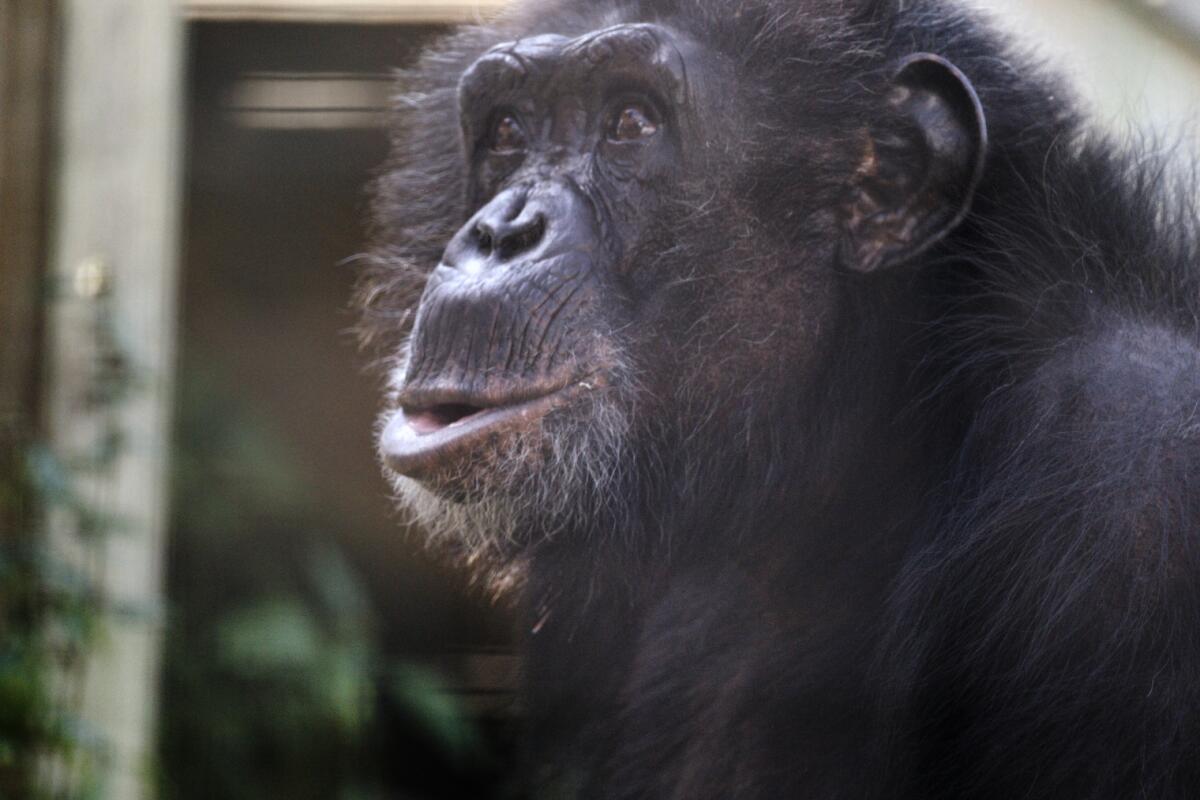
[(979, 576)]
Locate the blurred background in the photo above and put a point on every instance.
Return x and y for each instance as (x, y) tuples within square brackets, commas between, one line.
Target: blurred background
[(203, 592)]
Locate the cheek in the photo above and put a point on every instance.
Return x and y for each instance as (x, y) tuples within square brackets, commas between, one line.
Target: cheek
[(630, 197), (758, 332)]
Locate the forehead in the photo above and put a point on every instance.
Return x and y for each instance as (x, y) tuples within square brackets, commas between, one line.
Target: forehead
[(641, 53)]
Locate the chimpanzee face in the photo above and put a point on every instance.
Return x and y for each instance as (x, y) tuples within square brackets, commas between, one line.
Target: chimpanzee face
[(567, 142), (520, 388), (616, 287)]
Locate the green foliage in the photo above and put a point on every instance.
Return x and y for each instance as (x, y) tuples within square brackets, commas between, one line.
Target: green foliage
[(279, 645), (50, 607), (274, 676), (422, 693), (49, 619)]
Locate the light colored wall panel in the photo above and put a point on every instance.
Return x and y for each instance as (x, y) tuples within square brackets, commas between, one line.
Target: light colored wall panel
[(116, 228), (382, 11), (1131, 74)]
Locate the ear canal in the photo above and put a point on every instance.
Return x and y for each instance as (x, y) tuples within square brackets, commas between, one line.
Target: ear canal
[(916, 184)]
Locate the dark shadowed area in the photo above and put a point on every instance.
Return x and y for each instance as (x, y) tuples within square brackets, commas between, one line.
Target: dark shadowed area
[(316, 650)]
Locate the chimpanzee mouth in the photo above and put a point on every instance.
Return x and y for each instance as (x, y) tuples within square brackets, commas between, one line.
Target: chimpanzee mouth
[(421, 438), (446, 415)]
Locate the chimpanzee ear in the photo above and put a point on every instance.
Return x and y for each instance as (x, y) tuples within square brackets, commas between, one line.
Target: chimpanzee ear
[(915, 183)]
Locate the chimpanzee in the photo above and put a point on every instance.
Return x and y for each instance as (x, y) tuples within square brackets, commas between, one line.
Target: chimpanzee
[(827, 390)]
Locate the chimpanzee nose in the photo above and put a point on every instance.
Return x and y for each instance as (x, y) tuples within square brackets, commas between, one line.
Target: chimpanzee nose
[(496, 233), (511, 225)]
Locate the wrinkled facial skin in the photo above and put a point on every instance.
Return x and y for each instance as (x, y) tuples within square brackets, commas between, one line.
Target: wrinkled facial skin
[(558, 343)]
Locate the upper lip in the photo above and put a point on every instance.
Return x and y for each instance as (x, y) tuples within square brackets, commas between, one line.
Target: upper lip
[(424, 397)]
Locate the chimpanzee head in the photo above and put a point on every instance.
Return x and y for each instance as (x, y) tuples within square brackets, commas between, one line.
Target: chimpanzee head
[(638, 244)]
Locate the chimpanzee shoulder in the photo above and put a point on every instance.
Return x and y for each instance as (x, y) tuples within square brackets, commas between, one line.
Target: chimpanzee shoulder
[(1070, 337)]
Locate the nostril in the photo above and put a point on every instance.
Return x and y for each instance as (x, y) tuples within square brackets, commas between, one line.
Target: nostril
[(521, 238), (484, 239)]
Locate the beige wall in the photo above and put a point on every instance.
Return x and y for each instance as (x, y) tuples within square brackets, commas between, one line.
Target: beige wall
[(1125, 67), (357, 11), (114, 258)]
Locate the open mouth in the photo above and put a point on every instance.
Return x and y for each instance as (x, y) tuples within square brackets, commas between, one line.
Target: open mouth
[(421, 439), (442, 416)]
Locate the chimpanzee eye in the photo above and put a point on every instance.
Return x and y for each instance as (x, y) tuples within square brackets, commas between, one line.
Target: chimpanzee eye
[(507, 135), (633, 122)]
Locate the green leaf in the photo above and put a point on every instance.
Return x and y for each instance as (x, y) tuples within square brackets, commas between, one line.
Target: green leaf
[(425, 697), (272, 636)]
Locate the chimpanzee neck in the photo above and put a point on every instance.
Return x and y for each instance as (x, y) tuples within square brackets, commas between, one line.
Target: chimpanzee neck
[(819, 524), (858, 460)]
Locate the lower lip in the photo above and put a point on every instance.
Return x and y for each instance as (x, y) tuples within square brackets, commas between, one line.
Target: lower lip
[(420, 455)]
